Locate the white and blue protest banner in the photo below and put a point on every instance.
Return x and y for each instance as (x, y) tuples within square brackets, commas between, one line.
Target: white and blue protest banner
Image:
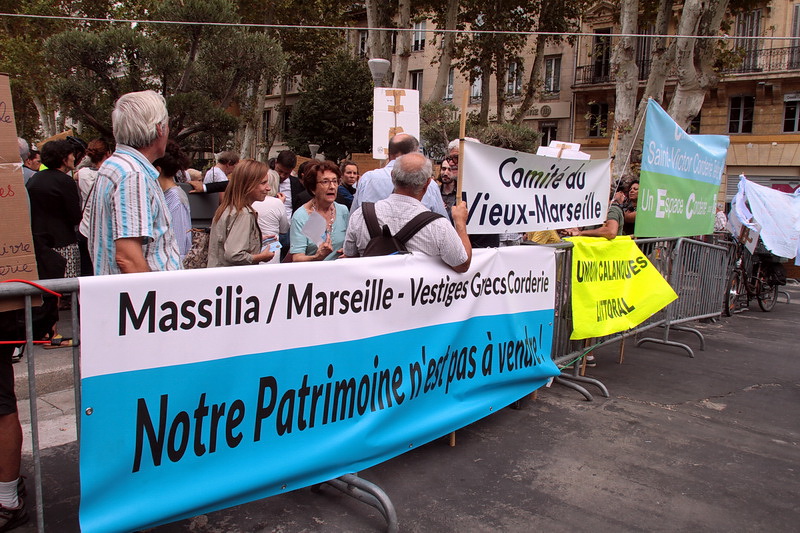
[(204, 389), (512, 191), (679, 180)]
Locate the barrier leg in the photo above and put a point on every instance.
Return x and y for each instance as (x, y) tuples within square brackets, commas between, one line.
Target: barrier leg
[(574, 386), (76, 360), (591, 381), (32, 398), (696, 332), (786, 295), (368, 493), (665, 341)]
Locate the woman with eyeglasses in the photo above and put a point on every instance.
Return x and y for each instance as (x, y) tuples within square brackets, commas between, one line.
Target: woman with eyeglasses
[(319, 225)]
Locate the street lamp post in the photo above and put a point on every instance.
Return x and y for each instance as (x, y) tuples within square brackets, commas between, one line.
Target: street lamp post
[(378, 68)]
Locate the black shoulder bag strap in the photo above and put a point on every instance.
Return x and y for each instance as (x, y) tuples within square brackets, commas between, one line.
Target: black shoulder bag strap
[(371, 219), (415, 224)]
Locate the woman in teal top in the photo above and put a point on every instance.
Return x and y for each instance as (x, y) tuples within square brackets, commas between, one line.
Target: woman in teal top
[(321, 180)]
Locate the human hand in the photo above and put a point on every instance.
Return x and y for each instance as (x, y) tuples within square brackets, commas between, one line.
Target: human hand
[(263, 257), (459, 214), (197, 186), (282, 197), (324, 249)]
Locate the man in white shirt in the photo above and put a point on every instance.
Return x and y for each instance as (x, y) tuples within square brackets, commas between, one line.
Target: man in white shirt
[(411, 176), (226, 162), (377, 184)]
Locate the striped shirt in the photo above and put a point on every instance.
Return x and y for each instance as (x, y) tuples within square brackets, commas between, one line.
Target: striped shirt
[(127, 202)]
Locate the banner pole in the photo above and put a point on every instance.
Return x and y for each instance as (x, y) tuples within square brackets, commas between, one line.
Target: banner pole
[(462, 132)]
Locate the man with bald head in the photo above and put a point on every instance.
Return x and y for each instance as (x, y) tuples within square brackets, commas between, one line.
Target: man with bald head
[(411, 178), (377, 184)]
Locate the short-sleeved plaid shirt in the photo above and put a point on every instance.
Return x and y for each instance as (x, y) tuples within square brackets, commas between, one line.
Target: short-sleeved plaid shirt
[(127, 201)]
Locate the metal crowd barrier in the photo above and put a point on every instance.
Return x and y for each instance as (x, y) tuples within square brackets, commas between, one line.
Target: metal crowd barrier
[(16, 290), (350, 484), (698, 273)]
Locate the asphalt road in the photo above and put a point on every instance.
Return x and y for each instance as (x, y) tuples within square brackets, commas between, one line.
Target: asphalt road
[(704, 444)]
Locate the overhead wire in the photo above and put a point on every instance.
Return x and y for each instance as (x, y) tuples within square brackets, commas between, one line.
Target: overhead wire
[(387, 29)]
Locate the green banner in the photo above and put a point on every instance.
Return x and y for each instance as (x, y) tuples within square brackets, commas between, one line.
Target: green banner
[(680, 178), (671, 206)]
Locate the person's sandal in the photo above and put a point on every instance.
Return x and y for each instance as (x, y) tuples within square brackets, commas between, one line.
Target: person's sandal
[(58, 342)]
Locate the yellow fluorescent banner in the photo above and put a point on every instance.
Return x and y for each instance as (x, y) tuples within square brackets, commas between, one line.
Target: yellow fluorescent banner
[(614, 287)]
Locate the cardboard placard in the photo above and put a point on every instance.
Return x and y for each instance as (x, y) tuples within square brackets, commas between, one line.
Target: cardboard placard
[(394, 111), (17, 258), (57, 137), (9, 150)]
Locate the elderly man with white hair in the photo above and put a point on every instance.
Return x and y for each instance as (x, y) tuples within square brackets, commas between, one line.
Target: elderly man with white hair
[(411, 176), (129, 227)]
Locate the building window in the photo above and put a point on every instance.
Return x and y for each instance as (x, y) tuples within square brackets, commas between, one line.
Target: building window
[(552, 74), (740, 118), (287, 119), (791, 116), (476, 89), (749, 25), (644, 51), (549, 132), (419, 37), (448, 92), (601, 55), (416, 80), (362, 43), (514, 79), (598, 120), (267, 123), (794, 56)]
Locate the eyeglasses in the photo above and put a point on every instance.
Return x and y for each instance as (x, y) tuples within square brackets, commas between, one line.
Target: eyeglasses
[(326, 183)]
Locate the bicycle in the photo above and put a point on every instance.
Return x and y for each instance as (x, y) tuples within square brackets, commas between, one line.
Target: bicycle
[(751, 279)]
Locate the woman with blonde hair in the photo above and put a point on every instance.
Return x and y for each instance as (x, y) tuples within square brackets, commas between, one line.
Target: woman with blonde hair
[(235, 236)]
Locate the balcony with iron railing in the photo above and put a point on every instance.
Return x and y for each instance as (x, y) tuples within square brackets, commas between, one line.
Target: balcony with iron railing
[(772, 60)]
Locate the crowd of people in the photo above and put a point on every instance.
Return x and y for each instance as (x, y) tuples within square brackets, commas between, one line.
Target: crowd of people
[(122, 211)]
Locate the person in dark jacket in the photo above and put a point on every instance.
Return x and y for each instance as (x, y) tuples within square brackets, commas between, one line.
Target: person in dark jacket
[(55, 203), (347, 188)]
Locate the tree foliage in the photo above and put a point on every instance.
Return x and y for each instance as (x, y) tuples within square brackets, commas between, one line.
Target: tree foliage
[(486, 54), (440, 123), (334, 109), (204, 71), (696, 62), (22, 58)]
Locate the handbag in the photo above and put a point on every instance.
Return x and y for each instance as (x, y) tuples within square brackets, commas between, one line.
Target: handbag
[(197, 256)]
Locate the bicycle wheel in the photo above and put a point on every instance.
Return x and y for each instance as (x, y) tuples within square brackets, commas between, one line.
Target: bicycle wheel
[(767, 297), (732, 294)]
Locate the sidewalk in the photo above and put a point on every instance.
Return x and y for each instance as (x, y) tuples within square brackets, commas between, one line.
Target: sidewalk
[(704, 444)]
